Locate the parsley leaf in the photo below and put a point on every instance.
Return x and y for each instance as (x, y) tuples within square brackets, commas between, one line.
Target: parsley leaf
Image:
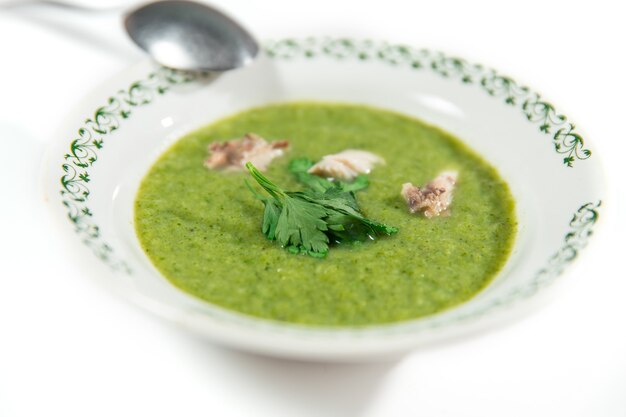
[(308, 221), (270, 215), (302, 225), (270, 218)]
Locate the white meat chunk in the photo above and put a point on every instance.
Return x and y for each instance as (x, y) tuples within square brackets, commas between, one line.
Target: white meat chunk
[(233, 154), (432, 199), (346, 165)]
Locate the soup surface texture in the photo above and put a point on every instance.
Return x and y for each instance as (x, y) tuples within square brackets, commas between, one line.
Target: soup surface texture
[(202, 228)]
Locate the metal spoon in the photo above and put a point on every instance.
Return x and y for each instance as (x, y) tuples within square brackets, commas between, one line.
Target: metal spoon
[(179, 34), (190, 36)]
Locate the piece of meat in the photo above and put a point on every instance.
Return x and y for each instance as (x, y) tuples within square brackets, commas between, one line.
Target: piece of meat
[(232, 155), (432, 199), (346, 165)]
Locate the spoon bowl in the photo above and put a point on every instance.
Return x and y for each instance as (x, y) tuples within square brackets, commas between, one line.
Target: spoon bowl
[(190, 36)]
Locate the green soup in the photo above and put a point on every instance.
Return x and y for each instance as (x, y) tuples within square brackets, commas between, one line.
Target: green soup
[(202, 228)]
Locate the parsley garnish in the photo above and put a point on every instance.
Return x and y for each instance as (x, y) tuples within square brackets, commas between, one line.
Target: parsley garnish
[(309, 221)]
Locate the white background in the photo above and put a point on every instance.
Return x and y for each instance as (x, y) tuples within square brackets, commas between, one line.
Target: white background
[(68, 347)]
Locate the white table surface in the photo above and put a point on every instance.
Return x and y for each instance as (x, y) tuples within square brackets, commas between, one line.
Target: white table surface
[(70, 348)]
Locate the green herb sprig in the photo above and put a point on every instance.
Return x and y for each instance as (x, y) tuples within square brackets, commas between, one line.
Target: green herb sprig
[(309, 221)]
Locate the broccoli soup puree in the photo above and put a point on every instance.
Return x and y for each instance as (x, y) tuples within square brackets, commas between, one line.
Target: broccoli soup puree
[(326, 215)]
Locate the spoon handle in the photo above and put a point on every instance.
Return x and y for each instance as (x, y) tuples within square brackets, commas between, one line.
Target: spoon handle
[(82, 5)]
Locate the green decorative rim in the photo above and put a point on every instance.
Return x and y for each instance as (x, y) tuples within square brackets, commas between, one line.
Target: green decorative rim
[(564, 138), (83, 153), (84, 148)]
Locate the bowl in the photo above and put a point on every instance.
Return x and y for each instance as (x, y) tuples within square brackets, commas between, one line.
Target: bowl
[(107, 144)]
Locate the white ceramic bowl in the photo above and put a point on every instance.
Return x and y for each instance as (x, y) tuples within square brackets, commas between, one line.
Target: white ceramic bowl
[(109, 142)]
